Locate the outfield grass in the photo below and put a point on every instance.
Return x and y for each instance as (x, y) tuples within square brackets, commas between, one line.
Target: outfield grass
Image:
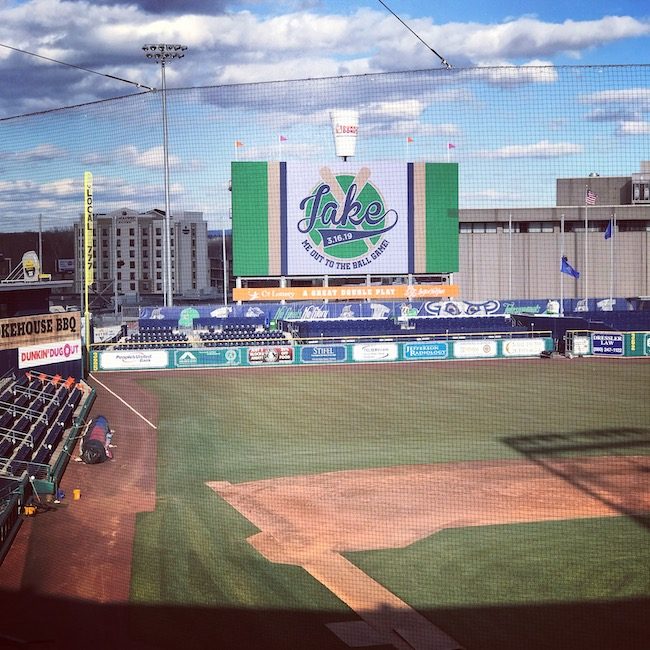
[(243, 425)]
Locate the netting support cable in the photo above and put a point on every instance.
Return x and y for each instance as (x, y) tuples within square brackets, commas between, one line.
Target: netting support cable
[(77, 67), (442, 59)]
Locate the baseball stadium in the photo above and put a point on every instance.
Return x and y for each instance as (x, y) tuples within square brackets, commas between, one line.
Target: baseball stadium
[(331, 396)]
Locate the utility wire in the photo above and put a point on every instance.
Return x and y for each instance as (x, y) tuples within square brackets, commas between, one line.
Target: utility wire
[(442, 60), (78, 67)]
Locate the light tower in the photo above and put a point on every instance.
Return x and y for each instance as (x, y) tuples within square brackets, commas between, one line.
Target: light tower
[(163, 53)]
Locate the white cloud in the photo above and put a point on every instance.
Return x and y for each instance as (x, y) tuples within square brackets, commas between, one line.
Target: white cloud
[(504, 73), (152, 158), (634, 128), (638, 97), (241, 47), (541, 149), (38, 153)]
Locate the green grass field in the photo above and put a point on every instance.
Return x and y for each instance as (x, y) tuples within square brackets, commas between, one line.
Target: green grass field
[(573, 584)]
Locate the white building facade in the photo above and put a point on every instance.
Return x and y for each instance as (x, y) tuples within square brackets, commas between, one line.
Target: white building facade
[(129, 255)]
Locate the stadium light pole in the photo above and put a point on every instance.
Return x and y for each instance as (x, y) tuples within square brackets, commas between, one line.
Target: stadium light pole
[(164, 53)]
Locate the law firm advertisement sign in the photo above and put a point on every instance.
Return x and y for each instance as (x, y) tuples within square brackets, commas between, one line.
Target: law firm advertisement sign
[(607, 344)]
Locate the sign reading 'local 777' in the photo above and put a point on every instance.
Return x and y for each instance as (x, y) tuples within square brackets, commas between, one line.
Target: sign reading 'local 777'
[(382, 218)]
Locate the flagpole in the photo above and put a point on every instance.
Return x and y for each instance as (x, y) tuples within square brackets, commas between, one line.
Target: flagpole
[(611, 261), (510, 256), (561, 257), (586, 271)]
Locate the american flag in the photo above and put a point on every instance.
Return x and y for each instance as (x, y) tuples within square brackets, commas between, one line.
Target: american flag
[(591, 197)]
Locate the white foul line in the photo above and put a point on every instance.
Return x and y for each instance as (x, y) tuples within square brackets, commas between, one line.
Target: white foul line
[(105, 387)]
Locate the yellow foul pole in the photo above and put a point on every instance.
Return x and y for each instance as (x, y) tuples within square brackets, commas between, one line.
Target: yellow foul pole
[(89, 274)]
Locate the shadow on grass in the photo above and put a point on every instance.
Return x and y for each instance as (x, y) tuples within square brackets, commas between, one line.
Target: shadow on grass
[(44, 623), (624, 487)]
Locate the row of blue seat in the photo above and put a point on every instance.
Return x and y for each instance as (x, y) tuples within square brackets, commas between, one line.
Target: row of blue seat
[(385, 327), (32, 430)]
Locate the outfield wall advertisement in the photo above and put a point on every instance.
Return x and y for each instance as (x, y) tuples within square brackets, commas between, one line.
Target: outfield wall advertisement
[(297, 219), (282, 355)]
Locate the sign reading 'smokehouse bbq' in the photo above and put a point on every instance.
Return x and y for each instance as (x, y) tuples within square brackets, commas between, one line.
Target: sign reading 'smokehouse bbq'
[(45, 328), (378, 218)]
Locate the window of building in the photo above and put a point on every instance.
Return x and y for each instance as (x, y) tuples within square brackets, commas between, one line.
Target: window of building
[(145, 243), (131, 243), (159, 242), (132, 286), (118, 231), (158, 286), (633, 226), (131, 232), (132, 254), (158, 253), (478, 227), (158, 275), (131, 265), (158, 232), (640, 192), (540, 226)]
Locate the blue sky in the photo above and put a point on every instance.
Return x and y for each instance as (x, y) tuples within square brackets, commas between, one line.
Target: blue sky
[(535, 122)]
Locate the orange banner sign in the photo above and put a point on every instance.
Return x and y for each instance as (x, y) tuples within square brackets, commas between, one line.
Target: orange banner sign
[(346, 292)]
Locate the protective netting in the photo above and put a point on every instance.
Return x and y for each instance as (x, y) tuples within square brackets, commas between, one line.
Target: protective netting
[(513, 131)]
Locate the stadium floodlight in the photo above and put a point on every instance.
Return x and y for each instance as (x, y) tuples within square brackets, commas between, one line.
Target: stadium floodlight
[(164, 53)]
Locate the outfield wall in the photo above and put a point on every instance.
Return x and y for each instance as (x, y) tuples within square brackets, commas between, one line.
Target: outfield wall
[(328, 353), (582, 343)]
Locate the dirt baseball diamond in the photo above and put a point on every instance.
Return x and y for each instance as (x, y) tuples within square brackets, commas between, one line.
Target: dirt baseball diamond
[(310, 520), (85, 549)]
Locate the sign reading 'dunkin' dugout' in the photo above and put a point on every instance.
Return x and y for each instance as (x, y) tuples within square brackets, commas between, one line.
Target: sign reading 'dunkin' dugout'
[(607, 344)]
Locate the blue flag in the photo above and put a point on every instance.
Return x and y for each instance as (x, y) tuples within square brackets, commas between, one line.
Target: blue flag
[(568, 269), (608, 230)]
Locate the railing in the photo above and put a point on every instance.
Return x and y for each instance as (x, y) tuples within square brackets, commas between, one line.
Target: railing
[(12, 498)]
